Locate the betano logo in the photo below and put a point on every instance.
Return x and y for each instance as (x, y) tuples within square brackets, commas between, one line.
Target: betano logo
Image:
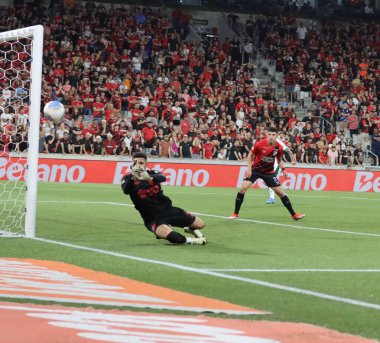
[(295, 181), (48, 173), (192, 176), (366, 182)]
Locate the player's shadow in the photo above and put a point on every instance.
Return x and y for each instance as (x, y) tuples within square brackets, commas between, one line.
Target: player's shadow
[(227, 250), (219, 249)]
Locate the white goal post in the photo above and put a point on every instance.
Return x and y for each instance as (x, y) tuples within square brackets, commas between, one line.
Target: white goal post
[(20, 101)]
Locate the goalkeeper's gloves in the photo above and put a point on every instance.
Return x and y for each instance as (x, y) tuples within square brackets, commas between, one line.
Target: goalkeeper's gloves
[(136, 172), (140, 174), (143, 175)]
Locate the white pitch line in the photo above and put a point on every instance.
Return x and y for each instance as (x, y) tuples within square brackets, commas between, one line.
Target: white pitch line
[(353, 198), (219, 275), (222, 194), (247, 270), (298, 227), (264, 195)]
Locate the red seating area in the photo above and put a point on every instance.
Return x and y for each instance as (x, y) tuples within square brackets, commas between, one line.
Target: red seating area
[(130, 81)]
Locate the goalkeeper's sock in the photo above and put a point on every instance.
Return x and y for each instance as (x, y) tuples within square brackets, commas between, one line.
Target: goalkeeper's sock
[(285, 200), (176, 238), (238, 202)]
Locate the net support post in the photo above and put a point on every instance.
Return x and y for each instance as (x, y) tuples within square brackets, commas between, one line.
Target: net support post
[(34, 131)]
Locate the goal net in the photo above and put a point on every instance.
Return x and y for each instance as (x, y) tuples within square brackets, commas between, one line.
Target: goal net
[(20, 101)]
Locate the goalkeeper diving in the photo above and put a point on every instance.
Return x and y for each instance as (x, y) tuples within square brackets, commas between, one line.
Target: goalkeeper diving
[(144, 188)]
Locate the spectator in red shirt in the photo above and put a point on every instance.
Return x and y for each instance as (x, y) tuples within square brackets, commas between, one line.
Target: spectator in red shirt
[(353, 123), (185, 126), (88, 100), (116, 101), (168, 114), (98, 109), (137, 116), (322, 156), (148, 134), (59, 72), (208, 150), (77, 103), (110, 112)]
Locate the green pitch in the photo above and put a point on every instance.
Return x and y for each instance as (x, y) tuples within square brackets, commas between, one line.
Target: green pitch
[(314, 254)]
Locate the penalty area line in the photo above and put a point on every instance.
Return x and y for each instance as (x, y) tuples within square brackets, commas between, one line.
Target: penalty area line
[(218, 275)]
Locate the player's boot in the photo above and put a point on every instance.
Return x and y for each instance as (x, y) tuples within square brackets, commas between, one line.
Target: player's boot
[(233, 216), (196, 233), (270, 201), (198, 241), (298, 216)]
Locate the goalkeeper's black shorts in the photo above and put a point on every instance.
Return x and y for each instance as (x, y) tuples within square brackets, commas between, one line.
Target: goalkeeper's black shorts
[(173, 216)]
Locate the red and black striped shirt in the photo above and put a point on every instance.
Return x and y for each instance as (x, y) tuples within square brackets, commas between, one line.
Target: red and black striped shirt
[(265, 155)]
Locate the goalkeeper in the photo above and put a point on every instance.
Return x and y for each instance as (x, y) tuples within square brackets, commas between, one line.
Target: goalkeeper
[(144, 188)]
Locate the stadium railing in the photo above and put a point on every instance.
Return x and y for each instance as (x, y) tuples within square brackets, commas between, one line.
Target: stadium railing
[(367, 155)]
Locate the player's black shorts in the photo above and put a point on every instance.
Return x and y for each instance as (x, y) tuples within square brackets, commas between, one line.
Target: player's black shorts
[(270, 180), (174, 216)]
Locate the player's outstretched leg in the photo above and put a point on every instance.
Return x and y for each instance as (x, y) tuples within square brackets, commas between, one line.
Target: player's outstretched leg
[(286, 202), (240, 198), (271, 200), (165, 232)]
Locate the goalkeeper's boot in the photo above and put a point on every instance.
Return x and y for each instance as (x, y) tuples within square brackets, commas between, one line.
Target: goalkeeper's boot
[(198, 241), (233, 216), (196, 233), (298, 216), (270, 201)]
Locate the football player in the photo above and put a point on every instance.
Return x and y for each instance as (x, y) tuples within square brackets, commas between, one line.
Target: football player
[(261, 166), (144, 188)]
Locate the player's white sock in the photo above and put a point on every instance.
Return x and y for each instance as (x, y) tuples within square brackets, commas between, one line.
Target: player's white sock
[(271, 193)]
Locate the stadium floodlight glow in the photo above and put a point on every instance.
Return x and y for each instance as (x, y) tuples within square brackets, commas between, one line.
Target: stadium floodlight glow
[(20, 74)]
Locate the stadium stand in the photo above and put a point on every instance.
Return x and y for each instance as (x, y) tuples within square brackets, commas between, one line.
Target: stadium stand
[(131, 81)]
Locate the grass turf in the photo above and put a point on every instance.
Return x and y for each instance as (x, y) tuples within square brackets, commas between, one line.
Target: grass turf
[(77, 213)]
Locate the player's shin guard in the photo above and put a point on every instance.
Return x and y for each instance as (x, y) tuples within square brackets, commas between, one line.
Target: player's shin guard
[(176, 238), (285, 200), (238, 202)]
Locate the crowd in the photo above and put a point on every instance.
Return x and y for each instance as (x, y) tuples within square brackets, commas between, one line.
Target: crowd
[(131, 82)]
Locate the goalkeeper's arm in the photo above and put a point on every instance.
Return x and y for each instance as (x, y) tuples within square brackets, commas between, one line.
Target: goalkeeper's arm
[(126, 183), (156, 176)]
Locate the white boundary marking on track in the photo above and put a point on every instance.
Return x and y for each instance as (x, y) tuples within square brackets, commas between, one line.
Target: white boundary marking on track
[(299, 227), (219, 275), (296, 270)]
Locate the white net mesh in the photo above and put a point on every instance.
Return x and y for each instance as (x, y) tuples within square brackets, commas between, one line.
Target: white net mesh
[(15, 82)]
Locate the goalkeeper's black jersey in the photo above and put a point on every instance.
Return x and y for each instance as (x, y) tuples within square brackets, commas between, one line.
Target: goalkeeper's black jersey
[(147, 196)]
